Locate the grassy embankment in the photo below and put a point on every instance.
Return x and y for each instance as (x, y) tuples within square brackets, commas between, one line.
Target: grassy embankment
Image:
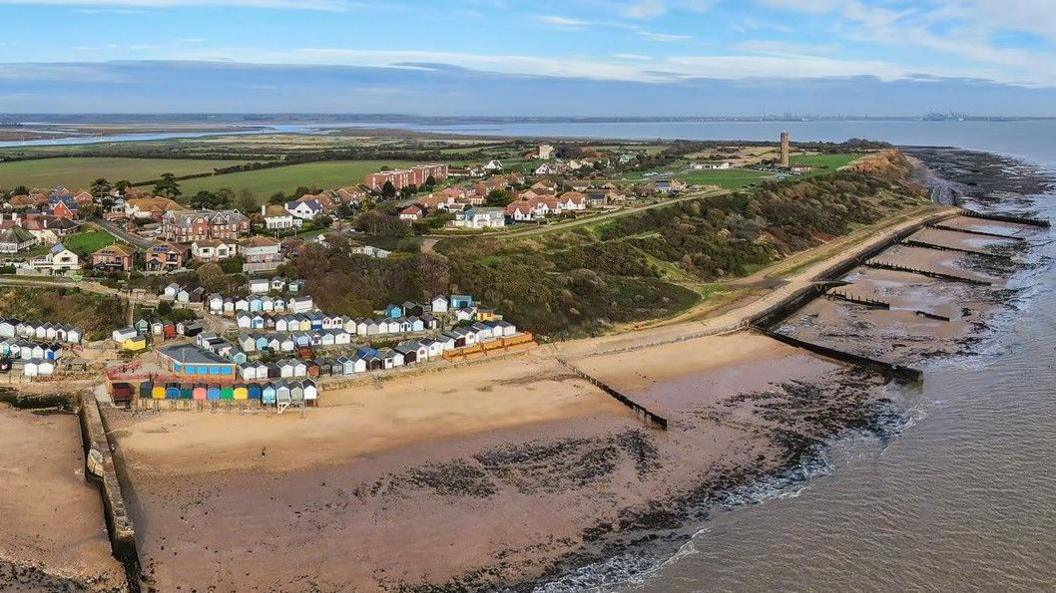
[(97, 315), (659, 262)]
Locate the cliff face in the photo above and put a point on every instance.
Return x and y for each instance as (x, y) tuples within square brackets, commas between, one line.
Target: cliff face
[(891, 164)]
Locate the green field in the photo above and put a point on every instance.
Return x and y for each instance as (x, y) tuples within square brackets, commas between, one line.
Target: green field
[(265, 182), (88, 241), (79, 172), (726, 178), (830, 162)]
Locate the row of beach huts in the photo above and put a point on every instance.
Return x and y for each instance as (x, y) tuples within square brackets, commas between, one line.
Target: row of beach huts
[(275, 393), (46, 331)]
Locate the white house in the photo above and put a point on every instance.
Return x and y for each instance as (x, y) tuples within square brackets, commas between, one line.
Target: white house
[(213, 249), (304, 209)]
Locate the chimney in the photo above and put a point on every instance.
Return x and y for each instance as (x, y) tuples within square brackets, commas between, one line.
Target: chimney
[(786, 146)]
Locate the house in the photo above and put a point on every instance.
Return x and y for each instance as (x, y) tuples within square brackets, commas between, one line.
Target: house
[(439, 304), (163, 257), (304, 209), (493, 166), (59, 260), (193, 362), (262, 254), (16, 239), (411, 213), (546, 169), (150, 208), (187, 226), (480, 218), (278, 218), (116, 258), (213, 249), (401, 178)]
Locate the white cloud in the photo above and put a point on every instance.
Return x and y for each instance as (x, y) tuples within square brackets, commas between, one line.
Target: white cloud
[(667, 37), (645, 9), (562, 22)]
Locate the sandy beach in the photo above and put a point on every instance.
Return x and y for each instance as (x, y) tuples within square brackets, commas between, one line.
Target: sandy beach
[(52, 537)]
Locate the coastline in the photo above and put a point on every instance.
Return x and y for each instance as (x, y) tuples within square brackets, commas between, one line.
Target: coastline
[(534, 474)]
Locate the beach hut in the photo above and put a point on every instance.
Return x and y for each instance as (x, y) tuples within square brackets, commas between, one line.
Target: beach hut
[(312, 369), (213, 393), (297, 393), (282, 393), (172, 391), (227, 392), (146, 390), (326, 339), (272, 371), (200, 393), (255, 391), (241, 392), (300, 369), (186, 392), (158, 392), (311, 393), (5, 365), (288, 345), (30, 368), (267, 394), (122, 393), (282, 324)]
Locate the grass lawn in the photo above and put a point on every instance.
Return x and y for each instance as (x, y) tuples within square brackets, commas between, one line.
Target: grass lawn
[(79, 172), (84, 243), (724, 178), (829, 162), (265, 182)]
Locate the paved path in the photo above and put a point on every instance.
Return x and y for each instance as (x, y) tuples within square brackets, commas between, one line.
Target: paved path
[(122, 234)]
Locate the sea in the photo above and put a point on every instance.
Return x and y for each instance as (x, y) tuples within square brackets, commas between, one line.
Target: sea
[(963, 497)]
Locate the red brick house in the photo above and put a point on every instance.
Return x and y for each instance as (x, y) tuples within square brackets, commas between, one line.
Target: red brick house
[(117, 257), (163, 257)]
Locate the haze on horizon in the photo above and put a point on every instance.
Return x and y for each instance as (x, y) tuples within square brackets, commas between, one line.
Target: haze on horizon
[(545, 58)]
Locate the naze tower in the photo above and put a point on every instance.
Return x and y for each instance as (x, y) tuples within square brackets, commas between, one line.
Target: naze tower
[(786, 148)]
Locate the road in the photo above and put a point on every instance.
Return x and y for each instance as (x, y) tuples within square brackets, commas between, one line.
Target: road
[(122, 234)]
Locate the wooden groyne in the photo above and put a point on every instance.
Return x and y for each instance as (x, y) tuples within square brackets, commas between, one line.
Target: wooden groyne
[(938, 275), (639, 410), (897, 372), (874, 303), (945, 227), (102, 471), (925, 245), (1038, 222)]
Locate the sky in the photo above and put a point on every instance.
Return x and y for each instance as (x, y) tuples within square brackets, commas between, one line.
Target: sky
[(545, 57)]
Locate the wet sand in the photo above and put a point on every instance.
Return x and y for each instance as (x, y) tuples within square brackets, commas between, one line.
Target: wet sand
[(487, 493), (52, 536)]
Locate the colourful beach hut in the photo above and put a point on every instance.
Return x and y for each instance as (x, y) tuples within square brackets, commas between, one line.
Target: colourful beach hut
[(267, 394), (241, 392), (186, 392), (255, 391), (227, 392), (213, 393), (282, 393), (200, 393), (145, 390), (311, 392), (172, 391), (158, 392), (297, 393)]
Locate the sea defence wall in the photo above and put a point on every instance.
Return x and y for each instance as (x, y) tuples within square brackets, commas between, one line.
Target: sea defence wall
[(1038, 222), (102, 470), (894, 371)]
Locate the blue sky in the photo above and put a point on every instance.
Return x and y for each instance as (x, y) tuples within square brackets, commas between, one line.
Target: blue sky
[(601, 53)]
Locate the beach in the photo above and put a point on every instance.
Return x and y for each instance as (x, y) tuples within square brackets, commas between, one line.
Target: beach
[(53, 537)]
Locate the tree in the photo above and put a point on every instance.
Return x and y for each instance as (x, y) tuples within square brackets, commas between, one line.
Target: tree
[(122, 185), (430, 183), (499, 198), (388, 190), (203, 199), (277, 198), (211, 277), (167, 186), (100, 187), (247, 203)]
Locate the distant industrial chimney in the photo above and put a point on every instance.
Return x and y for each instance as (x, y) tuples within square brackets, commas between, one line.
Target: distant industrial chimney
[(786, 147)]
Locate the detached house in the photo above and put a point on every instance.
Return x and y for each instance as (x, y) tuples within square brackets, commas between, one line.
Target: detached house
[(59, 260), (305, 209), (116, 258), (163, 257), (262, 254), (277, 218), (213, 249), (16, 239)]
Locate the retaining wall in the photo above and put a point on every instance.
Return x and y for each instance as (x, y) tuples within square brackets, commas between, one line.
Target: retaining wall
[(118, 521)]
